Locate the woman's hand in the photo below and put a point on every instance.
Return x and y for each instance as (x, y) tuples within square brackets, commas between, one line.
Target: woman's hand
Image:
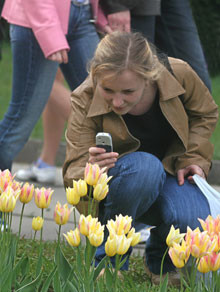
[(60, 57), (102, 158), (188, 172)]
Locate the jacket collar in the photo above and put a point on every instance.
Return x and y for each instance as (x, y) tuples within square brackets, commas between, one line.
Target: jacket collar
[(168, 87)]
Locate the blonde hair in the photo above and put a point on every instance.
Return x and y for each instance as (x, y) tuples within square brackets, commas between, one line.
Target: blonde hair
[(121, 51)]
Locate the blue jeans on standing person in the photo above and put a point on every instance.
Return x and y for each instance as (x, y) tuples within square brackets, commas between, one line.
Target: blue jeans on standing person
[(142, 189), (177, 35), (33, 77)]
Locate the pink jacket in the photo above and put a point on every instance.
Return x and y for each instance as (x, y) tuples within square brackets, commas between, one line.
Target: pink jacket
[(48, 19)]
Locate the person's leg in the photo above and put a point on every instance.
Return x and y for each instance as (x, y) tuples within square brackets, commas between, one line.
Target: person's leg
[(137, 181), (180, 206), (54, 116), (177, 35), (83, 40), (144, 24), (33, 76)]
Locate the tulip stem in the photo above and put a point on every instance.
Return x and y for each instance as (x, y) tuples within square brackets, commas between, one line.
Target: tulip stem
[(162, 262), (35, 232), (74, 215), (41, 231), (58, 243), (22, 212), (89, 203), (10, 222)]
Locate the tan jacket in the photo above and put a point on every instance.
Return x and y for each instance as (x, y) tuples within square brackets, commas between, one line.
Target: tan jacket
[(193, 119)]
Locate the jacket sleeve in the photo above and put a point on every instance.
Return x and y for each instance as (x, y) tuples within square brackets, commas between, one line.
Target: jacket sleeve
[(80, 135), (202, 114), (46, 26)]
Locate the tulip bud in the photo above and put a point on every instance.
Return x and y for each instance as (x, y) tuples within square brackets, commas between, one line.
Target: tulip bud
[(203, 266), (80, 187), (100, 192), (92, 173), (43, 197), (96, 238), (61, 213), (27, 192), (135, 237), (73, 237), (179, 253), (174, 236), (123, 244), (37, 223), (111, 246), (7, 200), (72, 196)]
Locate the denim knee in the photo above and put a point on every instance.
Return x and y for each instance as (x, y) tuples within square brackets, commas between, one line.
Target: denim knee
[(137, 181)]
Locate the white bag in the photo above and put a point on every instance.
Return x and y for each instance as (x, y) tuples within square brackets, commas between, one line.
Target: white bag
[(210, 193)]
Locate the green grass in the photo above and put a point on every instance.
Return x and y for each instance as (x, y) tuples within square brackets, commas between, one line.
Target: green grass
[(5, 94), (135, 280)]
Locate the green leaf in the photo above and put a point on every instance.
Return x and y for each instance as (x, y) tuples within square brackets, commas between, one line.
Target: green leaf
[(46, 284), (99, 268), (72, 287), (163, 287), (56, 283), (109, 277), (39, 262), (122, 262), (63, 265), (30, 287), (7, 282), (22, 266)]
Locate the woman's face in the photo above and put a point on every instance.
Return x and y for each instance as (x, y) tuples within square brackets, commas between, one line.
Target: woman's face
[(122, 92)]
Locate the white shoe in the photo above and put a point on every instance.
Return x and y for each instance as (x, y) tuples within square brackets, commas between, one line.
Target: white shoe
[(41, 175), (145, 233)]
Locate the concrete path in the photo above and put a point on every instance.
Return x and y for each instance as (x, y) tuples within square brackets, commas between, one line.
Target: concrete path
[(50, 227)]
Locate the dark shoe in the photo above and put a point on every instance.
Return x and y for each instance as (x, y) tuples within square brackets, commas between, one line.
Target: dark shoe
[(173, 277)]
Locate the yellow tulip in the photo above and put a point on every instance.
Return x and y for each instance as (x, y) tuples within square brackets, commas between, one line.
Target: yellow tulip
[(211, 225), (27, 192), (73, 237), (201, 244), (61, 214), (7, 200), (100, 191), (72, 196), (92, 173), (135, 237), (80, 187), (179, 253), (111, 246), (96, 237), (86, 224), (103, 179), (5, 180), (37, 223), (202, 265), (214, 261), (174, 235), (123, 244), (43, 197)]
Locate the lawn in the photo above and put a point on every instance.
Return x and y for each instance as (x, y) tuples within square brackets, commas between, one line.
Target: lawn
[(5, 93)]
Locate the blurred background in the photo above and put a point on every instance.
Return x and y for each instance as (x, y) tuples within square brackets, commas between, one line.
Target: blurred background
[(207, 17)]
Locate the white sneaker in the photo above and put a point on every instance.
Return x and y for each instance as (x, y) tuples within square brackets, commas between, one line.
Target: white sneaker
[(145, 233), (41, 175)]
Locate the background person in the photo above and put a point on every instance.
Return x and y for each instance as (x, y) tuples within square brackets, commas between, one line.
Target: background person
[(160, 120), (43, 35)]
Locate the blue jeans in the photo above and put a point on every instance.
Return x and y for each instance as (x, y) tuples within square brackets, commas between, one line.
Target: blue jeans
[(33, 77), (141, 188), (177, 35)]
